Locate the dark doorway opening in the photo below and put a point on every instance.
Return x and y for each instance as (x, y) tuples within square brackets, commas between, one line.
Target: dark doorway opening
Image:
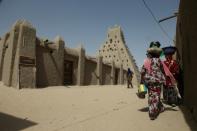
[(68, 72), (116, 76)]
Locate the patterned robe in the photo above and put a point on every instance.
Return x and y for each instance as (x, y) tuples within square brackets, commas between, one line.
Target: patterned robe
[(154, 78), (169, 92)]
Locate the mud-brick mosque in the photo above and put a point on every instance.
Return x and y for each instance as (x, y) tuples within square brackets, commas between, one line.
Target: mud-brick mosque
[(28, 61)]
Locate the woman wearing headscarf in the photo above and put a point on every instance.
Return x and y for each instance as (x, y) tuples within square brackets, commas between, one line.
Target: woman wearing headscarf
[(170, 92), (153, 76)]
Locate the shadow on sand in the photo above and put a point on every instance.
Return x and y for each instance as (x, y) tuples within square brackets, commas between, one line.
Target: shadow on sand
[(189, 118), (12, 123), (187, 115), (145, 109)]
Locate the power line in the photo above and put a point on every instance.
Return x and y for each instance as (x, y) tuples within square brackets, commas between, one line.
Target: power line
[(155, 19)]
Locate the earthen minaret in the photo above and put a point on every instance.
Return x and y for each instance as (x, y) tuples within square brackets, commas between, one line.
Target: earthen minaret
[(115, 49)]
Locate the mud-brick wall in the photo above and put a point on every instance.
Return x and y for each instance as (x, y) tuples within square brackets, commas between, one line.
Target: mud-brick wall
[(117, 76), (9, 54), (17, 52), (49, 65), (25, 58), (186, 42), (106, 75), (3, 47), (90, 72), (125, 77)]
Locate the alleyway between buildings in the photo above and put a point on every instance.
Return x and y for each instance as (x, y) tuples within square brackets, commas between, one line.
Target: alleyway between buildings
[(86, 108)]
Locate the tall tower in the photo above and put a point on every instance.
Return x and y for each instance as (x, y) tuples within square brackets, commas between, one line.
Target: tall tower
[(115, 49)]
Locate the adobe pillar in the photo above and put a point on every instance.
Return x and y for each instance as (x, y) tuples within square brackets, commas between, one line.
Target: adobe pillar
[(81, 66), (121, 74), (99, 70), (112, 73)]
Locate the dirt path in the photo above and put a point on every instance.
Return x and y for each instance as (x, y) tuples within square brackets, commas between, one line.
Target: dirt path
[(87, 108)]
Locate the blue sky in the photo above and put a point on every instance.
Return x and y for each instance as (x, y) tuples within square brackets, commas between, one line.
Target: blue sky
[(86, 21)]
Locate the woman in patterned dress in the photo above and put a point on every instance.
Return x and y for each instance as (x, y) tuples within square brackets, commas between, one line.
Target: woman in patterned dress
[(152, 74)]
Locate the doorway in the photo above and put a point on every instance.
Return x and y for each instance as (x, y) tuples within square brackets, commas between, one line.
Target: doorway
[(116, 76), (68, 72)]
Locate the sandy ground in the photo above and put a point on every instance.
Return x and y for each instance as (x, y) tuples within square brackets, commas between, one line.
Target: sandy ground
[(86, 108)]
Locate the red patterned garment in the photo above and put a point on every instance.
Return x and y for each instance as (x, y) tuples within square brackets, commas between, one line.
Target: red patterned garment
[(174, 69)]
